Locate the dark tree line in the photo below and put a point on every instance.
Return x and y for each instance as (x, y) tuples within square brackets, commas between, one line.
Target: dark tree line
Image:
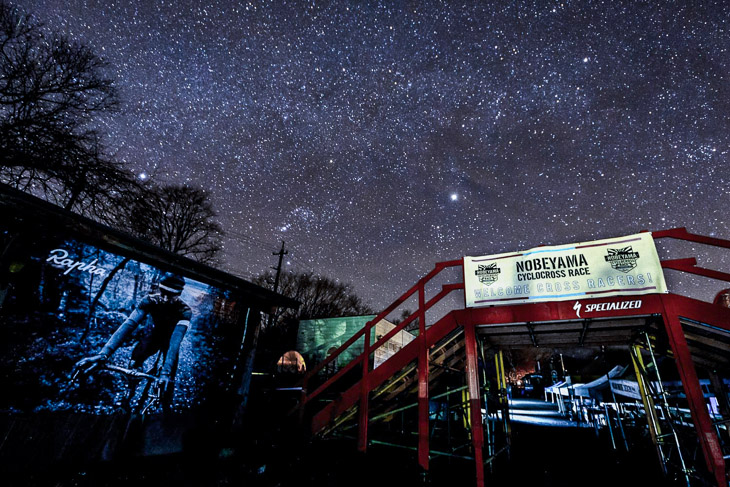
[(52, 93), (321, 297)]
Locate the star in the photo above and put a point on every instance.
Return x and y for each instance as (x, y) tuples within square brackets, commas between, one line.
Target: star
[(333, 122)]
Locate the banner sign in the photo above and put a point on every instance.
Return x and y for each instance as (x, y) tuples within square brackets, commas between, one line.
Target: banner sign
[(611, 267), (626, 388)]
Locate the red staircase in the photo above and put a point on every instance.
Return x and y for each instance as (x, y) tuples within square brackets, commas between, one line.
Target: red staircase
[(355, 400)]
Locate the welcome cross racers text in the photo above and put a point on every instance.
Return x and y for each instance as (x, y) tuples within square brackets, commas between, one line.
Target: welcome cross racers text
[(525, 290)]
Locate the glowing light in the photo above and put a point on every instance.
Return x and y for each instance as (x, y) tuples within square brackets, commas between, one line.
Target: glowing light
[(454, 197)]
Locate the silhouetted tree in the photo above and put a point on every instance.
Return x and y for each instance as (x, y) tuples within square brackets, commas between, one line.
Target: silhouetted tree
[(321, 297), (180, 219), (51, 89)]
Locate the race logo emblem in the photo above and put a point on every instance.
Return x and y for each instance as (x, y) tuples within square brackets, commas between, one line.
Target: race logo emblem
[(622, 259), (487, 274), (576, 307)]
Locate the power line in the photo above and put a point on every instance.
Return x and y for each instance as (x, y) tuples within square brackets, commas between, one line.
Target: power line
[(247, 237), (262, 244), (292, 259)]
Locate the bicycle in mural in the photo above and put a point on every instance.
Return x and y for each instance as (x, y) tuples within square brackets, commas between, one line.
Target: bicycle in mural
[(142, 393)]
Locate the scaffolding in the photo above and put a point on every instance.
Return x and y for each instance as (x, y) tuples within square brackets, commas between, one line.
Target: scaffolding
[(695, 332)]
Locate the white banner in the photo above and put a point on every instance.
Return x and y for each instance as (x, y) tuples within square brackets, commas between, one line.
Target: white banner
[(626, 388), (612, 267)]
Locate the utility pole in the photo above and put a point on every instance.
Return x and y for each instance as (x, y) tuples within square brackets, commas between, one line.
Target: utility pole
[(281, 253)]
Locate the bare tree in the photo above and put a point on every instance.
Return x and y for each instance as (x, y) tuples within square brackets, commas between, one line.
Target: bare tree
[(51, 89), (321, 297), (177, 218)]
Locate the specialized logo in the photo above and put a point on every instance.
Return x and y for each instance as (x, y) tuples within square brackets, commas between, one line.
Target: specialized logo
[(613, 306), (487, 273), (608, 306), (622, 259), (576, 307)]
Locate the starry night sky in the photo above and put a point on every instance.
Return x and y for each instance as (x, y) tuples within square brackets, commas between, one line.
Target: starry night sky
[(378, 138)]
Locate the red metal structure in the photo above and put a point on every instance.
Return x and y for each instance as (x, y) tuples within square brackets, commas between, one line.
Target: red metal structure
[(697, 332)]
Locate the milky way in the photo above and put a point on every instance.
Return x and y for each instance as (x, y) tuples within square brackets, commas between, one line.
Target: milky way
[(377, 139)]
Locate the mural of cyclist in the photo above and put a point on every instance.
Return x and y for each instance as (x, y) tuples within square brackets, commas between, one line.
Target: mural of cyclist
[(171, 320)]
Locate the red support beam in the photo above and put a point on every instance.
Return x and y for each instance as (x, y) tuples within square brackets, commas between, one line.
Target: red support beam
[(710, 314), (537, 312), (384, 372), (362, 436), (698, 409), (475, 402), (670, 306), (682, 234), (423, 429), (690, 266), (558, 310), (353, 363), (446, 289)]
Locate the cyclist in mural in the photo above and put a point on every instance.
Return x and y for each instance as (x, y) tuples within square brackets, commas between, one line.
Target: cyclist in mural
[(171, 320)]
